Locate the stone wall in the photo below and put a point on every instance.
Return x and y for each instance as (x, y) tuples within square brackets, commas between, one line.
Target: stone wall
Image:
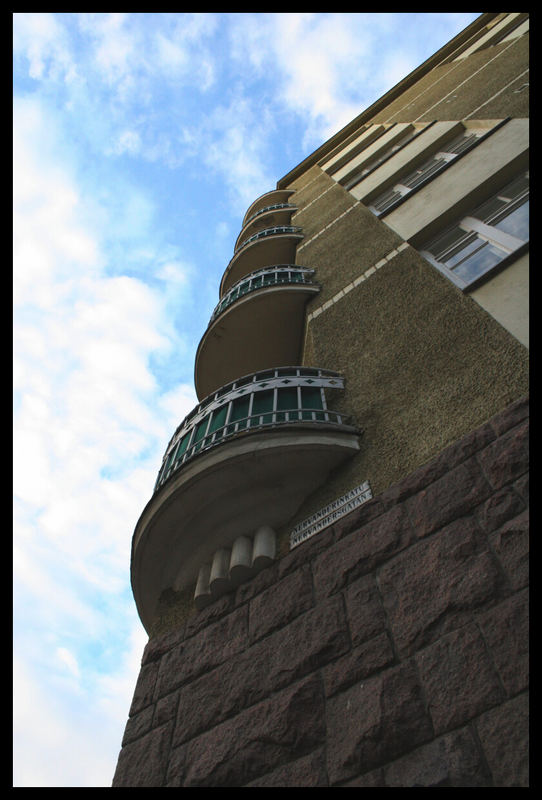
[(388, 650)]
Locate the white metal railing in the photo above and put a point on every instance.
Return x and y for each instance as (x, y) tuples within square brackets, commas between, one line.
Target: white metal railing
[(274, 207), (269, 399), (277, 275), (276, 230)]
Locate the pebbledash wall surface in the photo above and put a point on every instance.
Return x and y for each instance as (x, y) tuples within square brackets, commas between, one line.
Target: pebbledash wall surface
[(387, 642)]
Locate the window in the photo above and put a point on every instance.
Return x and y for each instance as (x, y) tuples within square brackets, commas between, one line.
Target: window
[(372, 164), (477, 243), (424, 172)]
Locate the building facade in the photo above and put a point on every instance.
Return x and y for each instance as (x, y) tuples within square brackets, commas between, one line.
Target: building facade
[(333, 566)]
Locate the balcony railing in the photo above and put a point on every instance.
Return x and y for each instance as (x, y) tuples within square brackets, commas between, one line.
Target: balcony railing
[(278, 229), (264, 400), (274, 207), (278, 275)]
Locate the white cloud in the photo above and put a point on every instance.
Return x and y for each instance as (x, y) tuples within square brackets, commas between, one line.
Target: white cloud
[(90, 426), (68, 660), (68, 728), (40, 38)]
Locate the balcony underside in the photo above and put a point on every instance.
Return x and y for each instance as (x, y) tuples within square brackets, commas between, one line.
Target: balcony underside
[(276, 249), (267, 199), (259, 331), (259, 478)]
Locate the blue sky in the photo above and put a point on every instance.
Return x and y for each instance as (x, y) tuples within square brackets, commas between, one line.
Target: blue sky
[(139, 142)]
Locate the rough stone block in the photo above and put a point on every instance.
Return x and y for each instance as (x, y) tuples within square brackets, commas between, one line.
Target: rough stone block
[(359, 663), (308, 643), (280, 603), (507, 457), (438, 466), (157, 646), (522, 488), (359, 517), (359, 552), (511, 416), (434, 586), (375, 722), (500, 507), (138, 725), (201, 619), (452, 760), (145, 687), (454, 495), (202, 652), (506, 631), (255, 742), (364, 610), (306, 552), (459, 679), (511, 544), (143, 763), (261, 581), (307, 772), (165, 709), (504, 735)]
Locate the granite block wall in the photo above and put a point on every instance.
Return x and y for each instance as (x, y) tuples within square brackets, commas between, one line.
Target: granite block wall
[(390, 650)]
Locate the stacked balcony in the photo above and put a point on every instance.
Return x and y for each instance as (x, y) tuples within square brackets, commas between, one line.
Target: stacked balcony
[(270, 301), (262, 437)]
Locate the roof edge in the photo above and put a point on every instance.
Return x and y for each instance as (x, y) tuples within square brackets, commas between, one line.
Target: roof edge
[(430, 63)]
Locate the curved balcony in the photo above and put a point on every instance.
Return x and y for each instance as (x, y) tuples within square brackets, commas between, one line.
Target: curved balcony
[(268, 199), (272, 216), (269, 246), (246, 457), (270, 301)]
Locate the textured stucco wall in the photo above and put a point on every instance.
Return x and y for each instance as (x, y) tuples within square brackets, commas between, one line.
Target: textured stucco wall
[(389, 650), (423, 362), (483, 86)]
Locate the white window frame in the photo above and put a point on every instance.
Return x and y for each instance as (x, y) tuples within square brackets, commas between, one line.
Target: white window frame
[(504, 241)]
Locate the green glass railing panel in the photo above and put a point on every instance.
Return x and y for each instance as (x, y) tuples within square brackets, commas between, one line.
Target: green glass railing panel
[(183, 445), (311, 398), (262, 408), (239, 414), (200, 432), (218, 419), (287, 402), (273, 397)]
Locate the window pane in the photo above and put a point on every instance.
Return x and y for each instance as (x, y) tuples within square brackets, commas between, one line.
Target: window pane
[(450, 242), (466, 249), (479, 262), (516, 223)]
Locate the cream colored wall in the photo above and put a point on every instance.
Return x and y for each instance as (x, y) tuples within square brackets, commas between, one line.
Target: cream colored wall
[(506, 298), (452, 192), (346, 153), (387, 139), (418, 149)]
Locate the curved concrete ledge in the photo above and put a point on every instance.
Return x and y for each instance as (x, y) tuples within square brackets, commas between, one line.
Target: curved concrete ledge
[(265, 219), (226, 351), (259, 478), (278, 248), (267, 199)]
